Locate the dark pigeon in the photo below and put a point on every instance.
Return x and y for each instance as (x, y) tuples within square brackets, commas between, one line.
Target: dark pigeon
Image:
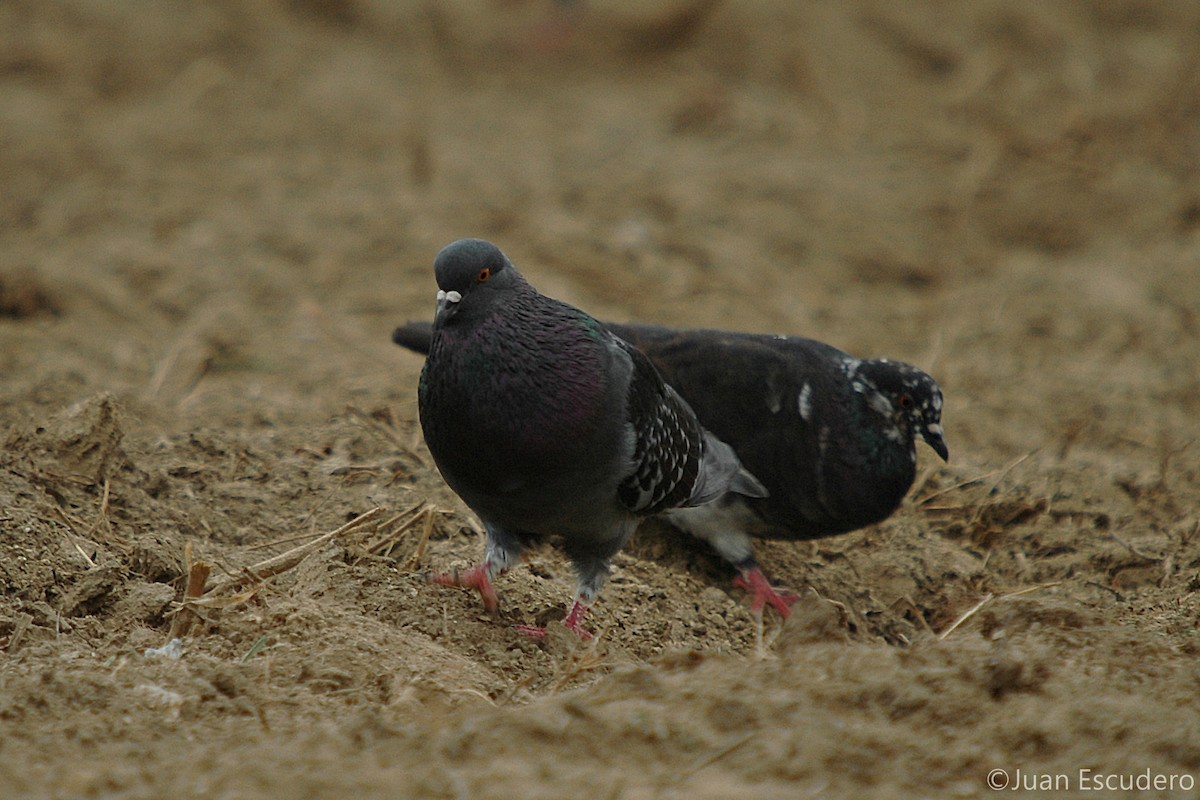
[(548, 425), (832, 437)]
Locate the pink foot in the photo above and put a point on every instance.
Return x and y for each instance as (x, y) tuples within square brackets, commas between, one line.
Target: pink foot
[(761, 592), (532, 631), (474, 578), (572, 621)]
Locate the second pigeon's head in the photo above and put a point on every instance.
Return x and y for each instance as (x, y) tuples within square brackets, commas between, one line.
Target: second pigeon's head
[(906, 395), (471, 275)]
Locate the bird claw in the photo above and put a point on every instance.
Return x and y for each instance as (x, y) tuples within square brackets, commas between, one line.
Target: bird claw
[(476, 578), (532, 631), (762, 592), (572, 622)]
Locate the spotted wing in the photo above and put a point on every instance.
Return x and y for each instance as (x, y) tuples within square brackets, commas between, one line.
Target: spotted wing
[(668, 442)]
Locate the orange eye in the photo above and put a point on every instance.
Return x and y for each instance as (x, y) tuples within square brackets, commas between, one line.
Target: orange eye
[(904, 400), (483, 275)]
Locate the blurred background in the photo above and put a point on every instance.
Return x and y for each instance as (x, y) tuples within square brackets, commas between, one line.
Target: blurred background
[(1003, 192)]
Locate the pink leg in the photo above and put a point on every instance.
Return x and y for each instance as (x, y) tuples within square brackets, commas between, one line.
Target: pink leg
[(574, 619), (474, 578), (573, 622), (761, 592)]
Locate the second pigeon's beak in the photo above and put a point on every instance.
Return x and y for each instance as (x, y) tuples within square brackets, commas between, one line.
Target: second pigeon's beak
[(933, 436), (447, 302)]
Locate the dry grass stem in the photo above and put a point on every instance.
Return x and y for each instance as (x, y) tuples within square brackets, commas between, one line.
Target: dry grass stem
[(381, 429), (709, 760), (585, 660), (328, 496), (21, 625), (989, 597), (1029, 589), (966, 615), (287, 560), (1133, 550), (396, 527), (906, 602), (197, 572), (418, 553), (998, 474)]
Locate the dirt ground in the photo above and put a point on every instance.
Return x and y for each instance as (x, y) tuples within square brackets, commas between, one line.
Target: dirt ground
[(213, 214)]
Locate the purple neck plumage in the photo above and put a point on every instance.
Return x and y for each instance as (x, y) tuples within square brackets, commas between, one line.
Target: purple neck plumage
[(544, 358)]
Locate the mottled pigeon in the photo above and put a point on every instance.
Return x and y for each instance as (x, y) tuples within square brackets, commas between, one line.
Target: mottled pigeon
[(832, 437), (548, 425)]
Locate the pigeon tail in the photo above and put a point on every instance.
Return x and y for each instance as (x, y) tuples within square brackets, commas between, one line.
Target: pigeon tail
[(722, 472), (415, 336), (745, 484)]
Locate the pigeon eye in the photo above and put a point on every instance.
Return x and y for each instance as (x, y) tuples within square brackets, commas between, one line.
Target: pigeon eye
[(483, 275), (904, 401)]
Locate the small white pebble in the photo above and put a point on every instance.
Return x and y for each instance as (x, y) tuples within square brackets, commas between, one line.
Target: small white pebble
[(172, 649)]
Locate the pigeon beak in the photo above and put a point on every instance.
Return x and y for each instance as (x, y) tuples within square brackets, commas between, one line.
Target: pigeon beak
[(446, 303), (933, 437)]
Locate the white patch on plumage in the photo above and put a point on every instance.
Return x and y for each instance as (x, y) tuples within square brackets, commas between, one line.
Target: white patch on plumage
[(723, 524), (804, 403), (895, 433), (773, 402), (880, 403)]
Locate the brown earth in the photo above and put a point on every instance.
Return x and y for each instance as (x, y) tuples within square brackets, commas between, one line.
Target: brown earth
[(214, 213)]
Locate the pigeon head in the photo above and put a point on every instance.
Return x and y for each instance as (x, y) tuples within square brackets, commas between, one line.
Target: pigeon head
[(472, 274), (907, 396)]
